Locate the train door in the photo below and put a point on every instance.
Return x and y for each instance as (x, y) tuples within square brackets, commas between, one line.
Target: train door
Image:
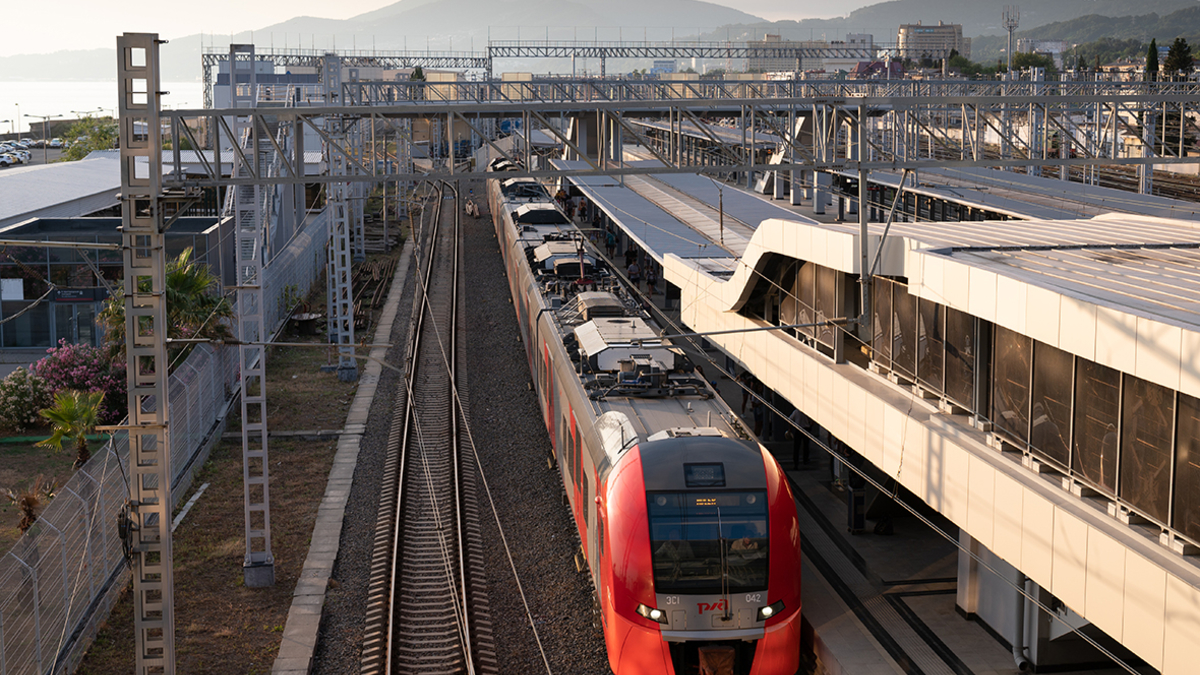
[(548, 391), (596, 532), (581, 463)]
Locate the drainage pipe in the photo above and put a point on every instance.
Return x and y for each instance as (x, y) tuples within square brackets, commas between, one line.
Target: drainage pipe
[(1018, 643)]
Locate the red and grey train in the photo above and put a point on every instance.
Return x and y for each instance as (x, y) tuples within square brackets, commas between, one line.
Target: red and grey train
[(689, 528)]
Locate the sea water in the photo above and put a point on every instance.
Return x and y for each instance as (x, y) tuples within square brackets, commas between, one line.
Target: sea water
[(18, 99)]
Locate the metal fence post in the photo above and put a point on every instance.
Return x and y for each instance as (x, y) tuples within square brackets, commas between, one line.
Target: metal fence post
[(87, 545), (37, 611), (63, 539)]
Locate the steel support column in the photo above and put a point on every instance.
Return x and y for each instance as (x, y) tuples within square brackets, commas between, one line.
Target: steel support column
[(339, 286), (250, 222), (144, 246)]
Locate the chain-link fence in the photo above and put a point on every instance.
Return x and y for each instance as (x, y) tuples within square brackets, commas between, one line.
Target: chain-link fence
[(59, 581)]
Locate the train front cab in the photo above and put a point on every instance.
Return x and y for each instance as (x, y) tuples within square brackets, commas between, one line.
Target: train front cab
[(662, 536)]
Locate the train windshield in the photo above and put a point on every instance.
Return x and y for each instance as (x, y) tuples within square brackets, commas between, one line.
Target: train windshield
[(702, 540)]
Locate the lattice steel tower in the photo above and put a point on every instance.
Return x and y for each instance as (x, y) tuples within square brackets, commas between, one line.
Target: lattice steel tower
[(251, 215)]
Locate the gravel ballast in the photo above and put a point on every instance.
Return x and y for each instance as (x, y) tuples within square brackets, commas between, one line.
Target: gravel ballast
[(512, 445)]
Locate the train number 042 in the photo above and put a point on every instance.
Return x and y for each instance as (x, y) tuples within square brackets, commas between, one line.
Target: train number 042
[(754, 597)]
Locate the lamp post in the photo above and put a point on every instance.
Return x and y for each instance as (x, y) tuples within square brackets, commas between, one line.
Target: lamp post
[(18, 120), (45, 134)]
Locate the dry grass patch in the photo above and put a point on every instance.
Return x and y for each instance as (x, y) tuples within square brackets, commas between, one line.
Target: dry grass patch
[(222, 626), (20, 465)]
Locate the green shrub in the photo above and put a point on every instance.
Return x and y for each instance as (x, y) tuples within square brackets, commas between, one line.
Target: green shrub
[(22, 395)]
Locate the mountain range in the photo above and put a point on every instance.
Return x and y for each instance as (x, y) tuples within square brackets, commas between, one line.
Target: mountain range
[(462, 25)]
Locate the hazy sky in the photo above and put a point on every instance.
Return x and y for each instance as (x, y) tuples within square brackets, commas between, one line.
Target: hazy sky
[(87, 24)]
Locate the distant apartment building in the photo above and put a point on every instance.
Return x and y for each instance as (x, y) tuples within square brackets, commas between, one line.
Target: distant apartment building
[(856, 48), (918, 40), (772, 64), (1053, 48), (663, 67)]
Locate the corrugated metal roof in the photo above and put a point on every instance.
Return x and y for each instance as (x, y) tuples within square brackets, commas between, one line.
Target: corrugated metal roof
[(1114, 229), (1154, 282), (730, 135), (1035, 197), (744, 206)]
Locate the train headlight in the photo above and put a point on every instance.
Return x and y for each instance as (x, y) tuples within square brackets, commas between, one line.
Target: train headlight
[(770, 610), (652, 613)]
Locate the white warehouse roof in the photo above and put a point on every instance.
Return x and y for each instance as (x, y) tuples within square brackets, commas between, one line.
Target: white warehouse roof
[(59, 190)]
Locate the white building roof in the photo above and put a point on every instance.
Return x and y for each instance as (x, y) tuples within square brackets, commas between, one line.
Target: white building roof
[(59, 190), (1121, 290)]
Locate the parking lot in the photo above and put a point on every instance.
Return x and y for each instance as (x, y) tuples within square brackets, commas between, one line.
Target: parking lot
[(38, 156)]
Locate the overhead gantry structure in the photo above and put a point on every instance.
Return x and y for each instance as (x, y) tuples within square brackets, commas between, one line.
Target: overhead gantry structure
[(484, 62), (798, 132)]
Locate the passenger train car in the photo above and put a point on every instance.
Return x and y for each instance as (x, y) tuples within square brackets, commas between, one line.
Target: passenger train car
[(689, 528)]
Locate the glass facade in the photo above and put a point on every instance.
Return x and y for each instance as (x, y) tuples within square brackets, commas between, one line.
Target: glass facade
[(1098, 397), (904, 330), (881, 310), (806, 284), (1010, 383), (931, 351), (825, 304), (1147, 418), (960, 357), (1050, 425), (69, 313), (1186, 512), (1121, 435)]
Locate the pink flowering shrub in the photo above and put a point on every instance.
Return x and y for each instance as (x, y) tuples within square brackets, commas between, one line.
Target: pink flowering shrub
[(22, 395), (85, 368)]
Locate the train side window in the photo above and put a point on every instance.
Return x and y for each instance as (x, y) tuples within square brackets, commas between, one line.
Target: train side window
[(583, 485)]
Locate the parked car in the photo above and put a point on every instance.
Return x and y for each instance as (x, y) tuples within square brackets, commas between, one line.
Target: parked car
[(56, 142), (7, 160), (24, 142)]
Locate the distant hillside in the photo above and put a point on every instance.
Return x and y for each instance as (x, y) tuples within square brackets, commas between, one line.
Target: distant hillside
[(461, 25), (439, 25), (978, 17), (1086, 29)]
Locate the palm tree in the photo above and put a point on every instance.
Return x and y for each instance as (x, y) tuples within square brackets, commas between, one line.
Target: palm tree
[(74, 415), (193, 310)]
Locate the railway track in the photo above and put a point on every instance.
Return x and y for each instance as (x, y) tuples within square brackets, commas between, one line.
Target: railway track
[(427, 606)]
